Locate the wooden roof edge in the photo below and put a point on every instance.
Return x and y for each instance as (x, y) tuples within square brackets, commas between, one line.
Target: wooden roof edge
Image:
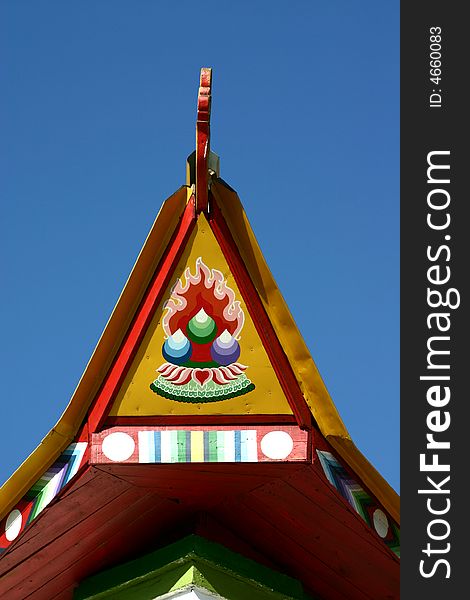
[(65, 430), (302, 363), (314, 389), (369, 475)]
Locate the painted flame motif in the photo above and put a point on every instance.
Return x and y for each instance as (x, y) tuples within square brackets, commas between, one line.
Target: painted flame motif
[(205, 289), (202, 324)]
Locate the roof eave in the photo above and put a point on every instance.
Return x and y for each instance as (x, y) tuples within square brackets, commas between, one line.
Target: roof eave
[(66, 428)]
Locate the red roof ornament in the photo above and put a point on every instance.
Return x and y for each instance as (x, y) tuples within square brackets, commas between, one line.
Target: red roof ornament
[(203, 139)]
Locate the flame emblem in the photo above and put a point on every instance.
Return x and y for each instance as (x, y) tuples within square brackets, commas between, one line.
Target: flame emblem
[(202, 324)]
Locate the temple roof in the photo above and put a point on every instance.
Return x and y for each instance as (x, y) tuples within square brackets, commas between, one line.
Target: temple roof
[(306, 373), (202, 373)]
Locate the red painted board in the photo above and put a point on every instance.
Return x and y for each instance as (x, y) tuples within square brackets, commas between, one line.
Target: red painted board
[(61, 539), (159, 445)]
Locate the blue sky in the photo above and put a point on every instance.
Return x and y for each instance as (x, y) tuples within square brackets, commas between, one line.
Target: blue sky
[(97, 117)]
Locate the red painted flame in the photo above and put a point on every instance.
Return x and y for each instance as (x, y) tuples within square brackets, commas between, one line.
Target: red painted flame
[(206, 289)]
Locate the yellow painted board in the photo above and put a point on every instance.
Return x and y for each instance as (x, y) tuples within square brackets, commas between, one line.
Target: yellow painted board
[(135, 398)]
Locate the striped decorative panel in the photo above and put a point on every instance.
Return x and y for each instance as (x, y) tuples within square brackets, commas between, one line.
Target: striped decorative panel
[(361, 502), (197, 446), (55, 478), (41, 493)]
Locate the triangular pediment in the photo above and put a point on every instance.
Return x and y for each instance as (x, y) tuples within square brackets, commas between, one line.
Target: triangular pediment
[(201, 353)]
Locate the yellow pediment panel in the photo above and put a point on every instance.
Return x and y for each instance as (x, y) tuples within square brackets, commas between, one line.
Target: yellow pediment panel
[(201, 354)]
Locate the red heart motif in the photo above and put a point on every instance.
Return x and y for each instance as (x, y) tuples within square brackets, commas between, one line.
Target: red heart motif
[(202, 376)]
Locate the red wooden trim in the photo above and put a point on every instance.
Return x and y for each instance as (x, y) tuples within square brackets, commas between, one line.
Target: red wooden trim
[(199, 420), (103, 402), (261, 320), (203, 139), (82, 435)]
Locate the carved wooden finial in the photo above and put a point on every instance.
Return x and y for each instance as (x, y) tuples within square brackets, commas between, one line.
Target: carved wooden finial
[(203, 139)]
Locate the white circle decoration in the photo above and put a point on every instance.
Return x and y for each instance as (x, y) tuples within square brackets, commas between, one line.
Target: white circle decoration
[(277, 445), (118, 446), (380, 522), (13, 525)]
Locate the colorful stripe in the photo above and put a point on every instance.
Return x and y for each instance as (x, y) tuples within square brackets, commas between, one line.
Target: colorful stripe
[(183, 446), (197, 446), (46, 488), (55, 478), (357, 497)]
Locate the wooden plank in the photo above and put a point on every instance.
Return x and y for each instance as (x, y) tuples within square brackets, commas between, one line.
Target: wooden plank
[(335, 506), (199, 420), (361, 558), (228, 471), (213, 530), (316, 574), (263, 444), (286, 512), (97, 541), (202, 488), (75, 506), (235, 476), (103, 550), (335, 536)]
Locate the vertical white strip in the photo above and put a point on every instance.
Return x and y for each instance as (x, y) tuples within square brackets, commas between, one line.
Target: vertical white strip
[(51, 489), (251, 446), (79, 449), (166, 446), (144, 448), (229, 444)]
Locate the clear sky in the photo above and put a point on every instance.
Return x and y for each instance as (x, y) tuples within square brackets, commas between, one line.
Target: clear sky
[(97, 117)]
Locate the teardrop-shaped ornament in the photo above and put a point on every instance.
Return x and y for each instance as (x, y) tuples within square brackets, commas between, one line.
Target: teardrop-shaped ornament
[(177, 348), (201, 329), (225, 349)]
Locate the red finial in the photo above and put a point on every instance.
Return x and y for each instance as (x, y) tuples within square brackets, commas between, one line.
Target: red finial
[(203, 139)]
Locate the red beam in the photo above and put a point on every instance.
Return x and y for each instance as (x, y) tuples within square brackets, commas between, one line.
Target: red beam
[(157, 287), (199, 420), (261, 320)]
